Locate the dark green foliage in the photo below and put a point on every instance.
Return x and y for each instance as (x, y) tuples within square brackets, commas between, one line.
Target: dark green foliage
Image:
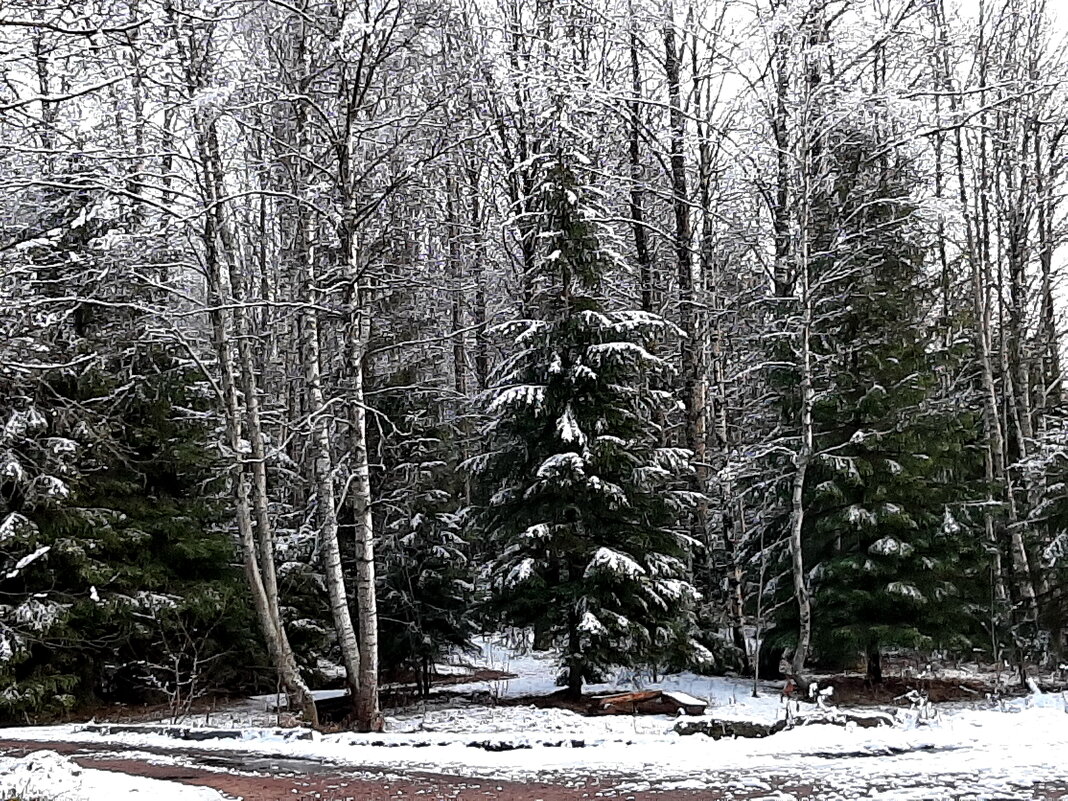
[(425, 574), (139, 570), (106, 473), (888, 563), (583, 507), (1049, 471)]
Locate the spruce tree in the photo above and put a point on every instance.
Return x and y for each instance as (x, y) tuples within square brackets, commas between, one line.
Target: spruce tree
[(424, 567), (885, 553), (116, 576), (585, 509), (133, 594)]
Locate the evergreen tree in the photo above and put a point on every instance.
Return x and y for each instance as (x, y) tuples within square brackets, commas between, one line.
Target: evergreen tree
[(584, 507), (42, 435), (1049, 466), (133, 594), (36, 468), (116, 577), (884, 552), (425, 572)]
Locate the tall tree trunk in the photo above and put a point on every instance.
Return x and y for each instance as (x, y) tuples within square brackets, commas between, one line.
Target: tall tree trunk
[(944, 71), (977, 236), (637, 183), (782, 275), (456, 306), (1022, 585), (368, 715), (257, 545), (249, 384), (1052, 390), (797, 490), (319, 416), (478, 247), (689, 319)]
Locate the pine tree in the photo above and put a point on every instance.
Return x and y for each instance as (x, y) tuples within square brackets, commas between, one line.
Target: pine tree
[(584, 507)]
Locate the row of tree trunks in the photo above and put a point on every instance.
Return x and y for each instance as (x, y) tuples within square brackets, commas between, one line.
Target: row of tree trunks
[(241, 421)]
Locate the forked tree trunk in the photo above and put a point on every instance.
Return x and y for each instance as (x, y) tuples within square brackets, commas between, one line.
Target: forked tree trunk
[(251, 393), (270, 624), (323, 466), (318, 410), (257, 546)]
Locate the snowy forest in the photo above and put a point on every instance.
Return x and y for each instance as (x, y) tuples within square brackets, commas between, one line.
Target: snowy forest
[(720, 335)]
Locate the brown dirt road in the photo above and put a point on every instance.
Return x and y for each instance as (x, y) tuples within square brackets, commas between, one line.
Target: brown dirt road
[(259, 783), (261, 779)]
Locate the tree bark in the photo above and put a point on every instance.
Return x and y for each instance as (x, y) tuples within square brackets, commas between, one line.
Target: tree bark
[(874, 659), (797, 508), (368, 715), (257, 551), (637, 183), (693, 382), (323, 470)]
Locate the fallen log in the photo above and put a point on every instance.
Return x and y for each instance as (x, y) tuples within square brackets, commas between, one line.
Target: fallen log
[(647, 702)]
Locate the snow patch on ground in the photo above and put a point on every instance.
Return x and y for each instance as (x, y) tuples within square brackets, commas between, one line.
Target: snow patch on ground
[(997, 752), (49, 776), (536, 673), (979, 751)]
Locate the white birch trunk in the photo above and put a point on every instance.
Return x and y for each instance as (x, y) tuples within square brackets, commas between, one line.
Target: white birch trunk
[(797, 506), (254, 548), (368, 715), (323, 463)]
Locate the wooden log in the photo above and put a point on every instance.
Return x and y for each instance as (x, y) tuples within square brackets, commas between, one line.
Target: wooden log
[(647, 702)]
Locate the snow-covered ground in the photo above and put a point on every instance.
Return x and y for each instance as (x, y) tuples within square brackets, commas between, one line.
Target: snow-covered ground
[(536, 675), (997, 751), (49, 776)]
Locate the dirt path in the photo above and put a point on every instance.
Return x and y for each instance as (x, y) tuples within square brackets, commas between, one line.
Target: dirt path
[(265, 779), (241, 776)]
